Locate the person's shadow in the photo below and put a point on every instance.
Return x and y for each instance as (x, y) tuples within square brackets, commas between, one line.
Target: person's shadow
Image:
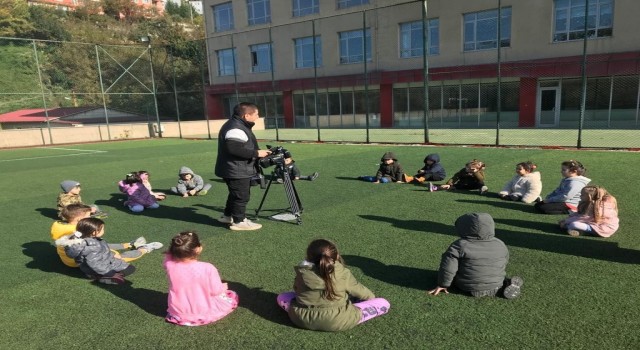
[(403, 276), (261, 303), (48, 213), (151, 301), (527, 208), (353, 178), (414, 225), (46, 259)]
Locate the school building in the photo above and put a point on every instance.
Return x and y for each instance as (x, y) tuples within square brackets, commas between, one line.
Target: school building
[(352, 63)]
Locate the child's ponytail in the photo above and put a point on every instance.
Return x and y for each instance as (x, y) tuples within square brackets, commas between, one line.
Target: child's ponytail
[(87, 227), (324, 254), (184, 246)]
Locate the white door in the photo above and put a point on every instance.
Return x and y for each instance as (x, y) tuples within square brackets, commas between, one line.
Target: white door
[(548, 107)]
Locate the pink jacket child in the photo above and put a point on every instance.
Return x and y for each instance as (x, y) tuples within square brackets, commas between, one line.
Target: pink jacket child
[(139, 196), (197, 296), (597, 214)]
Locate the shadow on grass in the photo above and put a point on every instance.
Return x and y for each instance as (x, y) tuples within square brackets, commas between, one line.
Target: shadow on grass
[(519, 206), (151, 301), (261, 303), (49, 213), (187, 214), (46, 259), (586, 247), (403, 276), (352, 178)]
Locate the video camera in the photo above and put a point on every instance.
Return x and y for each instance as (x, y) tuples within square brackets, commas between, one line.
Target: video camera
[(277, 157)]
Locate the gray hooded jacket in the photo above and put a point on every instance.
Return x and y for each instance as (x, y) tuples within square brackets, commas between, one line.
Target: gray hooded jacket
[(92, 255), (195, 183), (478, 260)]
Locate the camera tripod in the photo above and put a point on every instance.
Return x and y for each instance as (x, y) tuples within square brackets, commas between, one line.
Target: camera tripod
[(295, 206)]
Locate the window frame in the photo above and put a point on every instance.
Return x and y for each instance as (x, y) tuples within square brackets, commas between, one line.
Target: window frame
[(407, 30), (265, 6), (256, 65), (480, 45), (299, 44), (353, 35), (218, 12), (343, 4), (222, 66), (577, 7), (299, 11)]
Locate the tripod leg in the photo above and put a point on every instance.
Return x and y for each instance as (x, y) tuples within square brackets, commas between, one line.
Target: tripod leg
[(264, 196), (294, 200)]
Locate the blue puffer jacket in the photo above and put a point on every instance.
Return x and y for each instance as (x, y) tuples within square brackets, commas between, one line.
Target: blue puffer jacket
[(92, 255)]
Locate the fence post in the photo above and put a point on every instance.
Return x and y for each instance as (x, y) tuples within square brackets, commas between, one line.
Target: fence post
[(366, 73), (104, 101), (273, 84), (153, 86), (499, 97), (44, 100), (315, 77), (175, 90), (583, 98), (425, 70)]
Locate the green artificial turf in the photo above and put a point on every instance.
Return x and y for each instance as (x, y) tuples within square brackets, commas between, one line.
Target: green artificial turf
[(578, 293)]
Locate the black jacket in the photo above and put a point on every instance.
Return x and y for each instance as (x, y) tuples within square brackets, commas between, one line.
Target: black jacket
[(237, 154)]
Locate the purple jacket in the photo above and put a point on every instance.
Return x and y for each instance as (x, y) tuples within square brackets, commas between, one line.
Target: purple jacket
[(138, 194)]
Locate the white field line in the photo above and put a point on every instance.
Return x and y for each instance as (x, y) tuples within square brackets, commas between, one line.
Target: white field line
[(84, 152)]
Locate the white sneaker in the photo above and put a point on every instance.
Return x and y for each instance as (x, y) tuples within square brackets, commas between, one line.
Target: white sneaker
[(245, 225), (225, 219), (138, 242), (149, 247)]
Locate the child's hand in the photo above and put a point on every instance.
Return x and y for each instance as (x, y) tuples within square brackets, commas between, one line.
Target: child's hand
[(225, 286), (437, 291), (376, 182), (185, 195), (445, 187), (399, 182), (192, 192)]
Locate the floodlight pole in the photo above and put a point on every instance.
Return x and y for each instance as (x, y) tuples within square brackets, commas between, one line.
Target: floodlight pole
[(583, 98), (425, 70)]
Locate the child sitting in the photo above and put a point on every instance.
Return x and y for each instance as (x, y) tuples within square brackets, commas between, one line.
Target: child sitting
[(61, 232), (197, 296), (97, 259), (389, 170), (431, 171), (565, 198), (526, 186), (323, 292), (144, 177), (294, 172), (597, 214), (476, 262), (471, 177), (71, 195), (139, 196), (190, 184)]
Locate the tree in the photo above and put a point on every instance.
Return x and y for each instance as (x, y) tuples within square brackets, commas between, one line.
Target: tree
[(48, 24), (14, 18)]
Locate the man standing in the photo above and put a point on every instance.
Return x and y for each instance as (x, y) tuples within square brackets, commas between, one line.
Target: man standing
[(238, 152)]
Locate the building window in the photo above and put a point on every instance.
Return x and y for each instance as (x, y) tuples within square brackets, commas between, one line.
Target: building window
[(305, 7), (226, 62), (569, 19), (411, 38), (481, 28), (304, 52), (223, 17), (260, 58), (352, 46), (343, 4), (259, 12)]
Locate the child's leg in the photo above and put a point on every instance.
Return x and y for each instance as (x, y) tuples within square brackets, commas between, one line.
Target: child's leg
[(368, 178), (372, 308), (131, 255), (206, 187), (154, 206), (284, 300), (385, 179), (136, 208), (552, 208)]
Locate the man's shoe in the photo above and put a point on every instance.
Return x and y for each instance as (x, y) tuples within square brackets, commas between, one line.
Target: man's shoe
[(512, 290), (245, 225), (225, 219)]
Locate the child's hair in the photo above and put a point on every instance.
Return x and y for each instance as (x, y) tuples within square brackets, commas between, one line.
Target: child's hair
[(73, 211), (88, 226), (143, 174), (131, 178), (476, 164), (183, 245), (574, 166), (324, 254), (528, 166), (593, 206)]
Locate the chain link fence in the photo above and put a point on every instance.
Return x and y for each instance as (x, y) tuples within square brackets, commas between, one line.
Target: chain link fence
[(399, 73)]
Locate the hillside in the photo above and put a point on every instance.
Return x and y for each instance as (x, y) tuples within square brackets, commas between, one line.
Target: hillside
[(18, 75)]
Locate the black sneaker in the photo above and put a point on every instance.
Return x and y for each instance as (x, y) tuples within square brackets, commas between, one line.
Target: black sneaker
[(513, 288)]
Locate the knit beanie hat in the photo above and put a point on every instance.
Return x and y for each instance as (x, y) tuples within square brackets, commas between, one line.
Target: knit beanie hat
[(68, 185)]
